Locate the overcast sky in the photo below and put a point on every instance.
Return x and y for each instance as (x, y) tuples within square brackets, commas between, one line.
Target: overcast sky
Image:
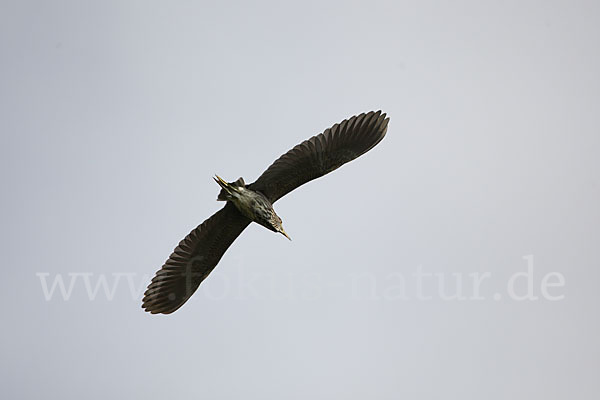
[(457, 259)]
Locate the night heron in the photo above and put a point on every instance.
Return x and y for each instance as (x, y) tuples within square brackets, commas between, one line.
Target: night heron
[(198, 254)]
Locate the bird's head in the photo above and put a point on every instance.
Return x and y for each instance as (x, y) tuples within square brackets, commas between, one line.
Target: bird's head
[(277, 225)]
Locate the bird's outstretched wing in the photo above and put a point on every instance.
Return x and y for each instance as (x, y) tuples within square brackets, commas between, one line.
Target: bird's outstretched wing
[(322, 154), (192, 261)]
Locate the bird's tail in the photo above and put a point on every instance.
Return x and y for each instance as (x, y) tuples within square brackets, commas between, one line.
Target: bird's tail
[(228, 190)]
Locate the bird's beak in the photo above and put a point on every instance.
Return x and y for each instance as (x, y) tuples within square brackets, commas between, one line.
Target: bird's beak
[(282, 231)]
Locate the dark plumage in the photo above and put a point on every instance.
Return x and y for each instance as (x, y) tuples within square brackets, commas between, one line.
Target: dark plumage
[(198, 254)]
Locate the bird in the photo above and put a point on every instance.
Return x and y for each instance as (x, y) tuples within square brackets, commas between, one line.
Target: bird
[(199, 252)]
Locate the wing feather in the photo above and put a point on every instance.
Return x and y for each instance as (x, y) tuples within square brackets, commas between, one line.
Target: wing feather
[(322, 154), (191, 262)]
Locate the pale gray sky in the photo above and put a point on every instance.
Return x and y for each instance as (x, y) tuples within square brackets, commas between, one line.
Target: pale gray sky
[(115, 115)]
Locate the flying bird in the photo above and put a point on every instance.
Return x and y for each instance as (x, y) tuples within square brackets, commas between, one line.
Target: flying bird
[(198, 254)]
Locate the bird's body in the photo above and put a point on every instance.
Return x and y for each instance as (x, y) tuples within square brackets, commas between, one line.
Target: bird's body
[(252, 204), (200, 251)]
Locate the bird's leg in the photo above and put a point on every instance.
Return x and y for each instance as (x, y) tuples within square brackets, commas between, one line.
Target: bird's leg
[(228, 191)]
